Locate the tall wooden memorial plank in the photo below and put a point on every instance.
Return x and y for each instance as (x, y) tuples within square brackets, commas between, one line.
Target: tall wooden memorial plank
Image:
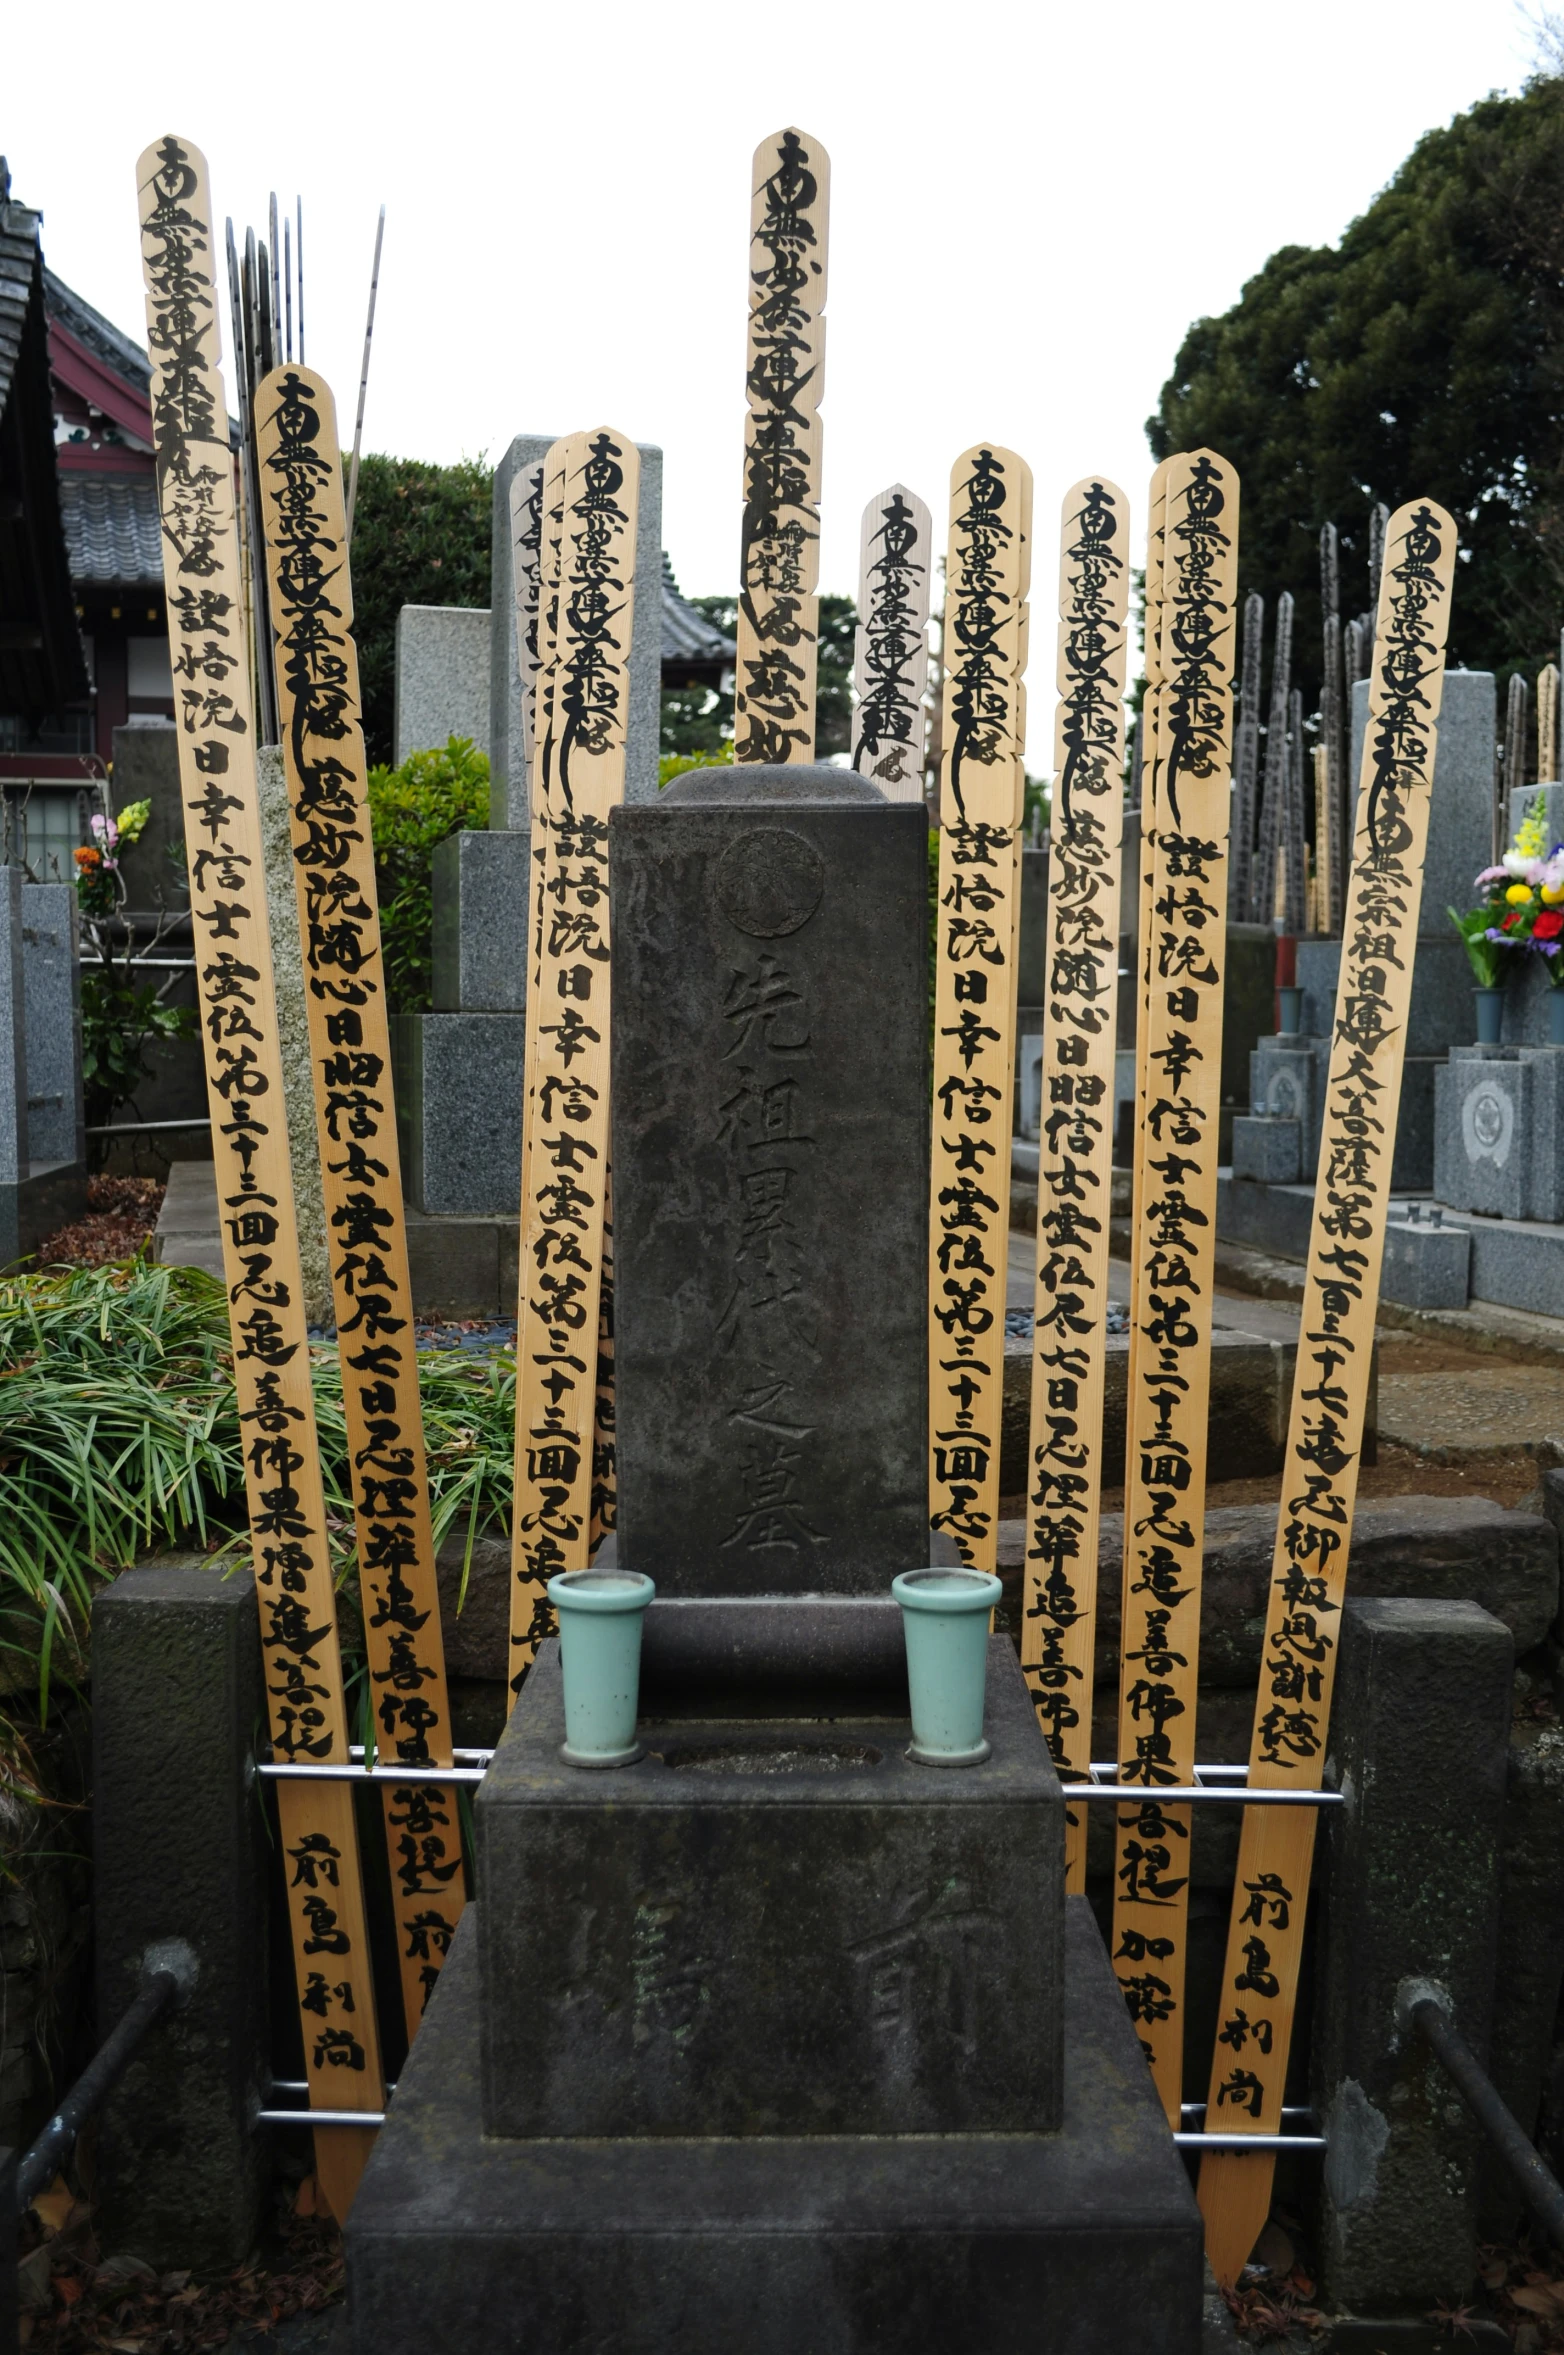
[(1335, 1350), (526, 535), (779, 576), (891, 657), (539, 708), (1075, 1156), (1146, 875), (306, 1705), (315, 660), (1175, 1238), (975, 991), (564, 1212)]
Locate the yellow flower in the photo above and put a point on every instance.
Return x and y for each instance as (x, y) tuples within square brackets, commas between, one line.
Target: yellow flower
[(1552, 894), (1518, 894)]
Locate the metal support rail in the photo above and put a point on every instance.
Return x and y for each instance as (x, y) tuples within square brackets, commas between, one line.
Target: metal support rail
[(1538, 2186), (42, 2161), (471, 1766), (1220, 1786)]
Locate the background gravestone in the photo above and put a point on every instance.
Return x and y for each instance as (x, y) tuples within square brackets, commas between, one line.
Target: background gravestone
[(442, 677), (51, 986), (771, 1158)]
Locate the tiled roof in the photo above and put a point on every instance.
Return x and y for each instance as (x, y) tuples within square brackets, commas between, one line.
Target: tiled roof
[(18, 261), (687, 635), (111, 528), (100, 335)]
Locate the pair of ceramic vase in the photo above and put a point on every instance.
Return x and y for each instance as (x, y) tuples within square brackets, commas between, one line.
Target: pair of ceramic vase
[(945, 1622)]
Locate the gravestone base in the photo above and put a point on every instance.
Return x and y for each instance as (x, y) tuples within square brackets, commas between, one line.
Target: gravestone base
[(458, 1101), (1499, 1131), (48, 1195), (1268, 1147), (839, 2244)]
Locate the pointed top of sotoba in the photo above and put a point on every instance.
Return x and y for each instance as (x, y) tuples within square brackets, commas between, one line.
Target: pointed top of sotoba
[(891, 656)]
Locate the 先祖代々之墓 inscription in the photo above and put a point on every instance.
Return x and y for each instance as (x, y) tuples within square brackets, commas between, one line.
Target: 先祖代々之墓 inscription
[(216, 735), (316, 667), (1075, 1160), (1335, 1348)]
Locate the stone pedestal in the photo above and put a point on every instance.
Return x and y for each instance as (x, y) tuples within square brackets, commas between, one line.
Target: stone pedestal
[(480, 887), (773, 2041), (1499, 1131), (293, 1030), (458, 1109)]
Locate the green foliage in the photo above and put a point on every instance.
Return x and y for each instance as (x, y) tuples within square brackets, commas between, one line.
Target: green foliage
[(699, 720), (411, 809), (1423, 355), (120, 1020), (676, 764), (422, 535), (1487, 957), (121, 1431)]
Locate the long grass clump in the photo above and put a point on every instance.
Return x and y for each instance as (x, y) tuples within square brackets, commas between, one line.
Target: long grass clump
[(119, 1432)]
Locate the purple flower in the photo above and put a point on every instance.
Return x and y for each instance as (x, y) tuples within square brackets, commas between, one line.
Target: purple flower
[(1502, 938)]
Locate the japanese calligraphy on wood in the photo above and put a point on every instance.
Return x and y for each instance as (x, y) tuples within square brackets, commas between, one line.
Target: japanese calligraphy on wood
[(1075, 1156), (779, 605), (1175, 1236), (305, 1701), (1325, 1434), (986, 580), (564, 1209), (1150, 754), (891, 659), (526, 531), (310, 602)]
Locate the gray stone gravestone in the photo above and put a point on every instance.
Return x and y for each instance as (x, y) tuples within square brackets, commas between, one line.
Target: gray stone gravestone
[(15, 1152), (442, 677), (1499, 1131), (51, 986), (774, 2037), (770, 1118)]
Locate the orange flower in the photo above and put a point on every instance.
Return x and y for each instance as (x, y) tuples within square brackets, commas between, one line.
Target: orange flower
[(89, 858)]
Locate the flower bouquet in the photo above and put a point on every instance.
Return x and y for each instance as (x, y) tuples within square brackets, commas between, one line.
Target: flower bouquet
[(1522, 909)]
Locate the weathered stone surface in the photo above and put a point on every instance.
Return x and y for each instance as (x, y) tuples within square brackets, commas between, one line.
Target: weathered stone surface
[(1530, 1951), (770, 1157), (458, 1105), (51, 985), (841, 2245), (442, 677), (1267, 1147), (1460, 823), (1419, 1744), (293, 1027), (910, 1916), (479, 884), (180, 1853), (1426, 1265), (146, 768), (1032, 953)]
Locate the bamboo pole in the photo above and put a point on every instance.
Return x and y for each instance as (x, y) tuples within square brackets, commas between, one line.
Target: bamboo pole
[(1075, 1154), (1325, 1433), (975, 990), (564, 1210), (1330, 850), (1164, 1500), (779, 572), (306, 1705), (316, 668), (1269, 869), (891, 658), (363, 374), (1295, 901)]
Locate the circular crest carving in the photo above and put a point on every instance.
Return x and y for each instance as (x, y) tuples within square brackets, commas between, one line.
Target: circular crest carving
[(1488, 1124), (769, 881)]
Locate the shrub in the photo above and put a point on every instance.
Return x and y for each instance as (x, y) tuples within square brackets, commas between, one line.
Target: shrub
[(411, 809), (422, 535)]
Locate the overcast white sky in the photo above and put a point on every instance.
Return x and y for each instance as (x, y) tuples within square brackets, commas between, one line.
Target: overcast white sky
[(1030, 203)]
